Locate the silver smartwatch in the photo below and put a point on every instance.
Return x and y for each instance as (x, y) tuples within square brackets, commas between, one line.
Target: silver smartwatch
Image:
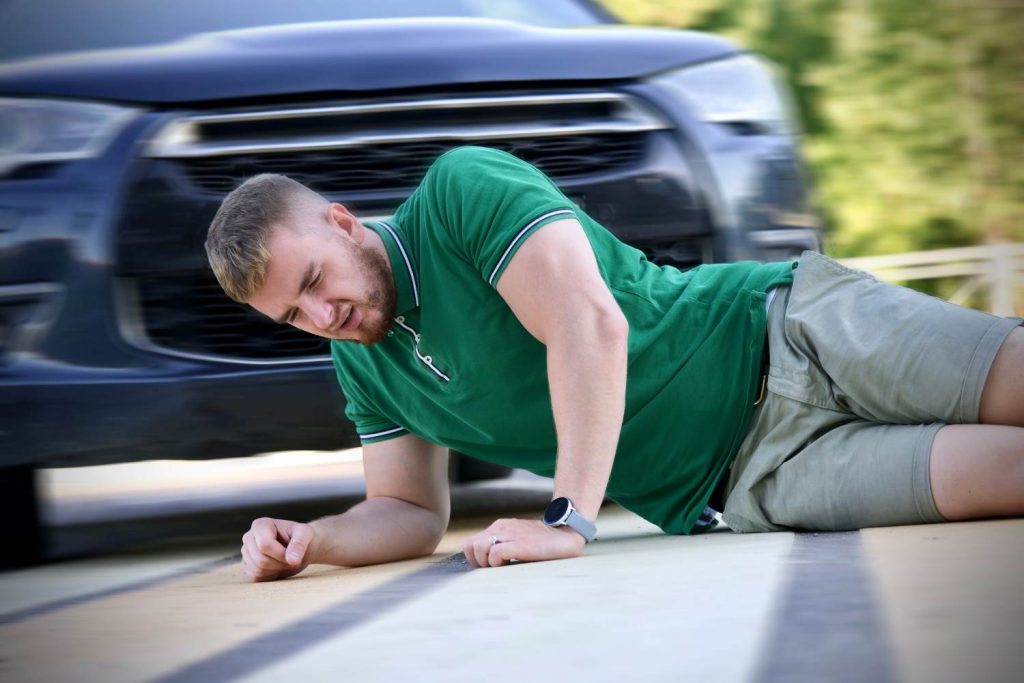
[(560, 512)]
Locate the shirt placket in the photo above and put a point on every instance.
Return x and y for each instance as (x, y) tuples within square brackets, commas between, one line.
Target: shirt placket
[(426, 360)]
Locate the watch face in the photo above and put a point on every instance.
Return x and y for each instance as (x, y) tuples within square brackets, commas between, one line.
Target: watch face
[(556, 510)]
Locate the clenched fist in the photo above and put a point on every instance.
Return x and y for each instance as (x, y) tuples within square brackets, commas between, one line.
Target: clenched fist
[(276, 549)]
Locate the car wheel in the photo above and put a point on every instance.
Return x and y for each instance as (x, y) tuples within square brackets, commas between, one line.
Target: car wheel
[(19, 507)]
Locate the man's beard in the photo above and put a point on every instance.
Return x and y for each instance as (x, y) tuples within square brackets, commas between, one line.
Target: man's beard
[(382, 298)]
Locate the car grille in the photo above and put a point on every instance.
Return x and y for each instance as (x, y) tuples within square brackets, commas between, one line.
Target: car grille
[(387, 146), (401, 166), (194, 317)]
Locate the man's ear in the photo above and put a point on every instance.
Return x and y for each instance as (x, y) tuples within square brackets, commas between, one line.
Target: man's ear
[(339, 216)]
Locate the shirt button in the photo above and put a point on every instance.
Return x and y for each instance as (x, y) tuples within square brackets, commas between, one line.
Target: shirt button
[(391, 333), (428, 359)]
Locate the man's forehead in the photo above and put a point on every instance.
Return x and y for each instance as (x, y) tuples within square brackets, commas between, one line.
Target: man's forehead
[(289, 270), (287, 257), (290, 289)]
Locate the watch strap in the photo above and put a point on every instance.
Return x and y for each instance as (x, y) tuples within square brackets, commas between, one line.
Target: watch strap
[(561, 512), (586, 528)]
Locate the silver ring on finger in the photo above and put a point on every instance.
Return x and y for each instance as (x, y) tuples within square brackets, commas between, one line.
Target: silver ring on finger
[(494, 540)]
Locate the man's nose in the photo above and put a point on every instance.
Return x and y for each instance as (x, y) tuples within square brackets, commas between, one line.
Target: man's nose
[(318, 311)]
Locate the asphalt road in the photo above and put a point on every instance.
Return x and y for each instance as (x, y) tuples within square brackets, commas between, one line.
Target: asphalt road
[(917, 604)]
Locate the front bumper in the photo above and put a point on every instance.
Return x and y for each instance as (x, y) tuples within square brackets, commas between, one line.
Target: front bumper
[(54, 415)]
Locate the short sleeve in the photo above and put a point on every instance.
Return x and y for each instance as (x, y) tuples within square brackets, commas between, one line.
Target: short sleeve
[(371, 425), (490, 202)]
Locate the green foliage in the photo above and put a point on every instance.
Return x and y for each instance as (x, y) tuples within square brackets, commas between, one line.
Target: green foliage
[(913, 110)]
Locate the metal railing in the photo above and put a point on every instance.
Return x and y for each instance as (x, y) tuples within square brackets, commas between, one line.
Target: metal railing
[(996, 269)]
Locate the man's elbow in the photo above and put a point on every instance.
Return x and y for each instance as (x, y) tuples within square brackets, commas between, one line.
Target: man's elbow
[(423, 540), (612, 326), (590, 322), (437, 528)]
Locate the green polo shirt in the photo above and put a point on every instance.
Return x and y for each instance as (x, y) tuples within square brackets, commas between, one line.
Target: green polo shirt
[(458, 369)]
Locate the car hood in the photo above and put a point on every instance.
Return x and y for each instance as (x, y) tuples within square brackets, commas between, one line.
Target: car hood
[(357, 56)]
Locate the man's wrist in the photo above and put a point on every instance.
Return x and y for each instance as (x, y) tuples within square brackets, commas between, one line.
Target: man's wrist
[(575, 535), (584, 505), (315, 547)]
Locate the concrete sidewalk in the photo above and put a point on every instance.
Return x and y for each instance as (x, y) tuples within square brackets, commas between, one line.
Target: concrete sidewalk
[(924, 603)]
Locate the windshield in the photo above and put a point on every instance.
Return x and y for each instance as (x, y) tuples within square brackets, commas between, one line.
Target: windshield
[(34, 27)]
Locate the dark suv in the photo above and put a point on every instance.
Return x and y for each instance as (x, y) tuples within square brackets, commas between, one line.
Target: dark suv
[(115, 341)]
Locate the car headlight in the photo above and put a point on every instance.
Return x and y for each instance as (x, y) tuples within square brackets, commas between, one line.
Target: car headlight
[(38, 131), (742, 92)]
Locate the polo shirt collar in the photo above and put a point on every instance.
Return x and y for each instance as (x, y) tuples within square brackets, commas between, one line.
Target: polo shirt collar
[(403, 267)]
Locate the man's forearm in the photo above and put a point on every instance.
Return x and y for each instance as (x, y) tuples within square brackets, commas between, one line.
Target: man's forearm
[(377, 530), (587, 377)]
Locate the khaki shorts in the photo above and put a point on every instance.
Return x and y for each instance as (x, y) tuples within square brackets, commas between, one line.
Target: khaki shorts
[(862, 376)]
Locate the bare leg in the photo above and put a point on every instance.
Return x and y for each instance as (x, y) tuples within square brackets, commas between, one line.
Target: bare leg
[(1002, 399), (978, 471)]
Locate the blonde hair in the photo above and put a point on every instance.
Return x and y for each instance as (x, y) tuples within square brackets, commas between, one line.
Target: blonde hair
[(236, 243)]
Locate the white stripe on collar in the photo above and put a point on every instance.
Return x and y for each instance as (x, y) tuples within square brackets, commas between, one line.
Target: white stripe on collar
[(408, 265)]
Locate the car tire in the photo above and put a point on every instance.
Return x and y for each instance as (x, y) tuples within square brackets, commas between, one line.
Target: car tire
[(19, 507)]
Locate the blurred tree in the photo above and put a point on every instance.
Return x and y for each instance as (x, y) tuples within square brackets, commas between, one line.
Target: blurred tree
[(913, 109)]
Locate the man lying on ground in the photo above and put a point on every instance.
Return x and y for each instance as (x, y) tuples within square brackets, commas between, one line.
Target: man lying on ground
[(492, 316)]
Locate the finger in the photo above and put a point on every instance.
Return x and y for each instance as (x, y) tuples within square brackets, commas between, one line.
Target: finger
[(300, 535), (471, 548), (265, 539), (251, 570), (481, 548), (508, 553), (264, 566), (501, 554), (467, 550), (245, 561)]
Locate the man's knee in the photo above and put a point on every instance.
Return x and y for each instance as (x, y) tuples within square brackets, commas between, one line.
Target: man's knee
[(1002, 400)]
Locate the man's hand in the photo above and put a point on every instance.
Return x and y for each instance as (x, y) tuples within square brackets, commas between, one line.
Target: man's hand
[(522, 540), (276, 549)]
